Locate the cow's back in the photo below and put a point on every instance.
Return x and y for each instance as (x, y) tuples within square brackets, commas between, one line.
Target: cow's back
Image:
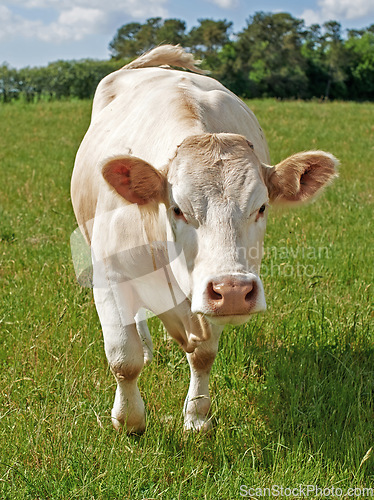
[(150, 102)]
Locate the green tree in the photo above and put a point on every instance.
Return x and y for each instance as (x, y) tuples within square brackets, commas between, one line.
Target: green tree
[(8, 83), (270, 53), (133, 39), (34, 82), (172, 31), (125, 44), (360, 47), (87, 75), (228, 69), (335, 60), (61, 78), (147, 35), (209, 36), (207, 39), (314, 53)]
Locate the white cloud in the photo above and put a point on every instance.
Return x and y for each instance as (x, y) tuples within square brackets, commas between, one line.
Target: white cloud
[(75, 19), (136, 8), (311, 17), (73, 24), (133, 8), (338, 10), (346, 9), (14, 25), (225, 4)]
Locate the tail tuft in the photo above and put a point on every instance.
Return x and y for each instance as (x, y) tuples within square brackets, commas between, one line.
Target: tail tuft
[(169, 55)]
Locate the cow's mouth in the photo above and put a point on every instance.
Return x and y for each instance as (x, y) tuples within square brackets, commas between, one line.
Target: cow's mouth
[(234, 319)]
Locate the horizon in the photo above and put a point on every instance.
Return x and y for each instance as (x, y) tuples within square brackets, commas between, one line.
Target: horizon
[(36, 32)]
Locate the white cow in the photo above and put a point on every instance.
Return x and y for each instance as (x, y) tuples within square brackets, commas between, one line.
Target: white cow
[(171, 187)]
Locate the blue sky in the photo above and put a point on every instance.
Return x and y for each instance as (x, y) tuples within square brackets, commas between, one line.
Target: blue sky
[(35, 32)]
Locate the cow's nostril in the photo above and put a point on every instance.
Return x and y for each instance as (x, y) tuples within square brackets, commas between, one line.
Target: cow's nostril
[(251, 292), (213, 292)]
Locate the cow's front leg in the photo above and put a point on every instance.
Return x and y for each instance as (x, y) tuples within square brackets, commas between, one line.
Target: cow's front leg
[(197, 403), (124, 352), (125, 356)]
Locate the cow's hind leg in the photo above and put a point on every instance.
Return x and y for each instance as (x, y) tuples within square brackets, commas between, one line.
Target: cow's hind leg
[(197, 403), (124, 352)]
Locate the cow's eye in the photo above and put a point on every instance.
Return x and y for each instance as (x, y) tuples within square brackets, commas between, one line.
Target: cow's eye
[(179, 214), (177, 211), (262, 209)]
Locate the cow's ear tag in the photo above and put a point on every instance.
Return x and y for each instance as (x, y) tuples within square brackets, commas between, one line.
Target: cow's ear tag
[(134, 179)]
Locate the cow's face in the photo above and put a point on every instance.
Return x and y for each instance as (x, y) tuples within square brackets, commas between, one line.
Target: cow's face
[(217, 206), (217, 193)]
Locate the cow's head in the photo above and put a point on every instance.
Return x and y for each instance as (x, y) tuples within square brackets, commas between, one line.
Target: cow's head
[(217, 193)]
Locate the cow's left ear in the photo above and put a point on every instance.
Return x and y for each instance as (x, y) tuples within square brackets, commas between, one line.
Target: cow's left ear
[(134, 179), (300, 177)]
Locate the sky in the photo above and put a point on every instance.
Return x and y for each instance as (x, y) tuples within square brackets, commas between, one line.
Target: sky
[(36, 32)]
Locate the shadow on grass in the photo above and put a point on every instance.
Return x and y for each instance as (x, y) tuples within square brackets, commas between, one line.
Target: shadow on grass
[(322, 397)]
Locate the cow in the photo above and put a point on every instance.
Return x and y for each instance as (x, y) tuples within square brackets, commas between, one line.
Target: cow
[(170, 188)]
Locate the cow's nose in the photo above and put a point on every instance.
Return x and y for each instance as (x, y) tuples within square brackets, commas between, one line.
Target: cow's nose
[(232, 296)]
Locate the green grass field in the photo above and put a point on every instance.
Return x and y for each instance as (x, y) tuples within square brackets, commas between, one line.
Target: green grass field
[(293, 391)]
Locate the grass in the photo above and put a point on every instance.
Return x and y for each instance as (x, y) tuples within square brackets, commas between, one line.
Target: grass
[(293, 391)]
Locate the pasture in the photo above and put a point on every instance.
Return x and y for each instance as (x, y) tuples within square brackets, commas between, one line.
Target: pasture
[(293, 390)]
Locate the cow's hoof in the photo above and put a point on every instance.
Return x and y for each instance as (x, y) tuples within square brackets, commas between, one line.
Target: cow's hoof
[(198, 424), (130, 424)]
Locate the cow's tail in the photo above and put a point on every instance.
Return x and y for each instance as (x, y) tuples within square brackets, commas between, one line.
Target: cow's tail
[(166, 55)]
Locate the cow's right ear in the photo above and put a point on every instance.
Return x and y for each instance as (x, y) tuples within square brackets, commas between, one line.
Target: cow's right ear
[(135, 179)]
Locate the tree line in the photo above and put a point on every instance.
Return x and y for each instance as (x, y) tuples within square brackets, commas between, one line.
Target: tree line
[(275, 55), (60, 79)]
